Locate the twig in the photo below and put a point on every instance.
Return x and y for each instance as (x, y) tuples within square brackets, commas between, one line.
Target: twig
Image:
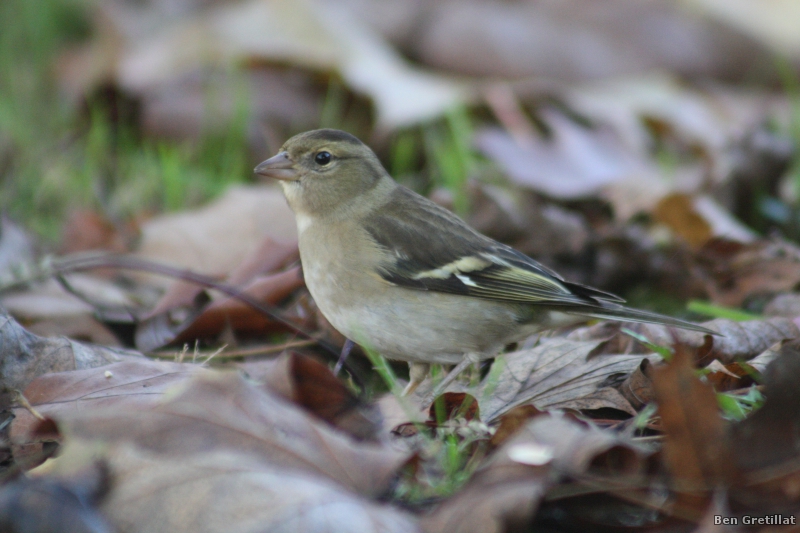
[(23, 401), (80, 262), (249, 352), (210, 357)]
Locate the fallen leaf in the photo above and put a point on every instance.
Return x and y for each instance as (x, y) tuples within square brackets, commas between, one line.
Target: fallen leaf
[(597, 403), (216, 238), (220, 411), (90, 230), (512, 421), (638, 386), (575, 163), (504, 494), (204, 319), (729, 377), (760, 362), (312, 385), (785, 305), (765, 444), (453, 405), (27, 356), (733, 272), (568, 41), (696, 452), (201, 103), (398, 411), (558, 373), (308, 34), (678, 213), (49, 309), (133, 384), (711, 118), (267, 257), (220, 490)]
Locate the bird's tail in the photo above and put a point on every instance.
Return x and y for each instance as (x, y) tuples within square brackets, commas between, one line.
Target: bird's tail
[(615, 311)]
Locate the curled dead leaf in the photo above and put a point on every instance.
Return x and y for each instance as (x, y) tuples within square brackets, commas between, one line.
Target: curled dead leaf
[(559, 373), (206, 319), (696, 452), (312, 385)]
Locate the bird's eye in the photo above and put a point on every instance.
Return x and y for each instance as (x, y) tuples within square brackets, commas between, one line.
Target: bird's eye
[(322, 158)]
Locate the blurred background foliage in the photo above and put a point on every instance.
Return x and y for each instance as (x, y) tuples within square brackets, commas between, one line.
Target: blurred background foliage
[(585, 135)]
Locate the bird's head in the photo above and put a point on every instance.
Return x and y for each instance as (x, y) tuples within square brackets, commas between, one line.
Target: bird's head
[(321, 170)]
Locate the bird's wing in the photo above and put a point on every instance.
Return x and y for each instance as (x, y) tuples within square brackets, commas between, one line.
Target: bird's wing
[(429, 248)]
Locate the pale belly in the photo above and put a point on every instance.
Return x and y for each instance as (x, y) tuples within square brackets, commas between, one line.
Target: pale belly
[(411, 325)]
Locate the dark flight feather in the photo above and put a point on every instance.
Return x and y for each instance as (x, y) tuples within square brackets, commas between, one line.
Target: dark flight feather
[(433, 250)]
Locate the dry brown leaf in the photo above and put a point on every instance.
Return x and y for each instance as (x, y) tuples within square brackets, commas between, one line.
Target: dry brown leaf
[(786, 305), (198, 104), (504, 494), (638, 386), (766, 444), (575, 163), (311, 35), (678, 213), (267, 257), (48, 309), (27, 356), (733, 272), (135, 384), (216, 239), (203, 319), (696, 452), (396, 411), (737, 341), (567, 40), (600, 400), (312, 385), (729, 377), (222, 491), (710, 119), (512, 421), (89, 230), (760, 362), (222, 411), (558, 373)]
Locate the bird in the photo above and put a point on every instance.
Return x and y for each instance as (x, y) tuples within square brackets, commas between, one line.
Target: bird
[(401, 275)]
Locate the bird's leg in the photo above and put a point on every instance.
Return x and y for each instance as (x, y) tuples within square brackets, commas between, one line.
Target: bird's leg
[(451, 376), (348, 346), (417, 372)]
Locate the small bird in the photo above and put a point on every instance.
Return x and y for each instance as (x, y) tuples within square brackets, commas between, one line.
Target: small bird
[(399, 274)]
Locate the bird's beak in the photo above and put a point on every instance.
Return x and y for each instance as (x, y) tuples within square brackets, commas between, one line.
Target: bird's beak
[(280, 167)]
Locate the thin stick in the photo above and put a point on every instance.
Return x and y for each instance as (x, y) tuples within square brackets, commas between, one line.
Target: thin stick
[(126, 262), (249, 352), (23, 401)]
